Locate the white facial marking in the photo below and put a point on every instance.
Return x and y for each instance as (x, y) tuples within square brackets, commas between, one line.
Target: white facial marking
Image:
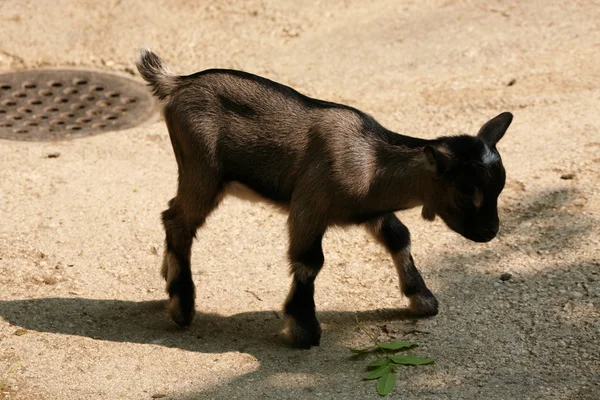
[(489, 156)]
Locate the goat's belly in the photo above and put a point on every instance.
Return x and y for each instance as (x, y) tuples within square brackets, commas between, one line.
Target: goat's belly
[(244, 192)]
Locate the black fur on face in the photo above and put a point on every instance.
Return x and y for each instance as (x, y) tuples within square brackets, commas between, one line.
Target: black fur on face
[(469, 178)]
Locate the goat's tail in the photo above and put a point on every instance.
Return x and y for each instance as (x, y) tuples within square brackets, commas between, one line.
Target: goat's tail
[(159, 77)]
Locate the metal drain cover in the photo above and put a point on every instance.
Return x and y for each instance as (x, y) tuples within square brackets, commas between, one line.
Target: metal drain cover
[(55, 104)]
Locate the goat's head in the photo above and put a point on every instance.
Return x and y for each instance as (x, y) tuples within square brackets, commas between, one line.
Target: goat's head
[(468, 178)]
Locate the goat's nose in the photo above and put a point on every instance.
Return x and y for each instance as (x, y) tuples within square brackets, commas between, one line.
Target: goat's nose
[(492, 230)]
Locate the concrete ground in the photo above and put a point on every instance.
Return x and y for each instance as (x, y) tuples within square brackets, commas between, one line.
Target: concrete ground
[(82, 306)]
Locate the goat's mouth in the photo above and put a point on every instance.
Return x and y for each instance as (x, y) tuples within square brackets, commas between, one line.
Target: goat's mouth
[(475, 235), (479, 236)]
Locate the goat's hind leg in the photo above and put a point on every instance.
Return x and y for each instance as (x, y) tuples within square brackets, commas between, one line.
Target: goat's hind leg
[(394, 235), (164, 270), (186, 213)]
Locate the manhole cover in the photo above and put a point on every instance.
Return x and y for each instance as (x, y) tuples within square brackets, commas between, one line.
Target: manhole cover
[(60, 104)]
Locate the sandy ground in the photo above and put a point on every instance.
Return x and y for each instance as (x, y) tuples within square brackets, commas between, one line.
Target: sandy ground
[(82, 305)]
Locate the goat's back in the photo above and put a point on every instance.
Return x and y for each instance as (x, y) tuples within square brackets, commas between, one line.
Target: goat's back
[(263, 134)]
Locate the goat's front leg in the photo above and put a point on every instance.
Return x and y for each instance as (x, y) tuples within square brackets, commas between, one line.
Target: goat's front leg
[(394, 235), (306, 259)]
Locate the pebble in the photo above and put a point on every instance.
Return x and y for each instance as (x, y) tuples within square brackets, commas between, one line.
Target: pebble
[(575, 295), (20, 332), (505, 276)]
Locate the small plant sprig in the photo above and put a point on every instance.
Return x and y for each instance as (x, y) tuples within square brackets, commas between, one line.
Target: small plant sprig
[(384, 368), (4, 383)]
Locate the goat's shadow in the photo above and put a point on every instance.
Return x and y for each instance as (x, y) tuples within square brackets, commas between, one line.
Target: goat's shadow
[(147, 322), (543, 216)]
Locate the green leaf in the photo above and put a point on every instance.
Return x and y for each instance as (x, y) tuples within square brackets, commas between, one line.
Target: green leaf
[(386, 384), (397, 345), (411, 360), (384, 369), (379, 362), (361, 351)]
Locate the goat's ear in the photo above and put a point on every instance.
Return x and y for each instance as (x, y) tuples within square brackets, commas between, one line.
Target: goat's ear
[(438, 158), (493, 130)]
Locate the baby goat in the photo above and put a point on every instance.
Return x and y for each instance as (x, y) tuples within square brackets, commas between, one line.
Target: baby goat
[(328, 164)]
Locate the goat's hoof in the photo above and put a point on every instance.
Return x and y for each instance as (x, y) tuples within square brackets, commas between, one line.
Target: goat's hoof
[(303, 335), (182, 311), (423, 305)]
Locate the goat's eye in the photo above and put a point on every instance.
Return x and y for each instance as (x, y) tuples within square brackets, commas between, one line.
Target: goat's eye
[(464, 200), (466, 187)]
